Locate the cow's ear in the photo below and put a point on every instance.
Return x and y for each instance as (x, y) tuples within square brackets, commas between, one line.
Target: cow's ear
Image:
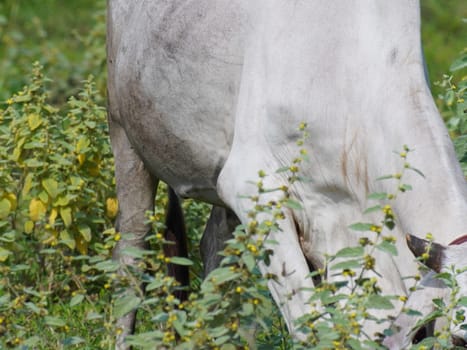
[(435, 251)]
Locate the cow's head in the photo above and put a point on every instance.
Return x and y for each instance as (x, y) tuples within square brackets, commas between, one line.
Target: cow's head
[(442, 258)]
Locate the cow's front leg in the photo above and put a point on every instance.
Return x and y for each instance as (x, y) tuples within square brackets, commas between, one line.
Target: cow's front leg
[(135, 191), (291, 284), (219, 228)]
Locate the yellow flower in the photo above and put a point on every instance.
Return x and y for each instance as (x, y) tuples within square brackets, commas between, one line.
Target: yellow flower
[(252, 248), (10, 101), (369, 262), (117, 237), (11, 197), (111, 205), (53, 216), (36, 209), (81, 158), (293, 168)]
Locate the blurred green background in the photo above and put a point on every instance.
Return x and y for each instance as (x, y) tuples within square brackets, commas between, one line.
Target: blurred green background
[(67, 37), (55, 32)]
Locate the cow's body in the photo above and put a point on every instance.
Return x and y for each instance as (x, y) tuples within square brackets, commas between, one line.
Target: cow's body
[(205, 94)]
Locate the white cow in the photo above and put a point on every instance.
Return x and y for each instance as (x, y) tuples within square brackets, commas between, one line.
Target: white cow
[(203, 94)]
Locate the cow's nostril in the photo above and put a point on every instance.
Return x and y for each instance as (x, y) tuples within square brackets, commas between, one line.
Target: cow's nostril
[(456, 341)]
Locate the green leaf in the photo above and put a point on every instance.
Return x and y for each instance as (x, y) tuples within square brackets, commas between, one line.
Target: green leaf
[(348, 264), (4, 299), (355, 344), (350, 252), (462, 301), (32, 341), (372, 209), (378, 196), (459, 63), (290, 203), (378, 302), (107, 266), (50, 251), (33, 307), (222, 275), (28, 182), (283, 169), (417, 171), (8, 237), (31, 291), (54, 321), (249, 260), (85, 232), (34, 121), (387, 247), (247, 309), (4, 254), (405, 187), (76, 300), (427, 343), (73, 341), (82, 144), (92, 315), (439, 303), (360, 226), (384, 177), (154, 285), (126, 304), (63, 201), (66, 239), (65, 213), (430, 317), (22, 98), (20, 267), (223, 339), (34, 163), (133, 252), (144, 340), (178, 260), (228, 347), (5, 208), (412, 312)]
